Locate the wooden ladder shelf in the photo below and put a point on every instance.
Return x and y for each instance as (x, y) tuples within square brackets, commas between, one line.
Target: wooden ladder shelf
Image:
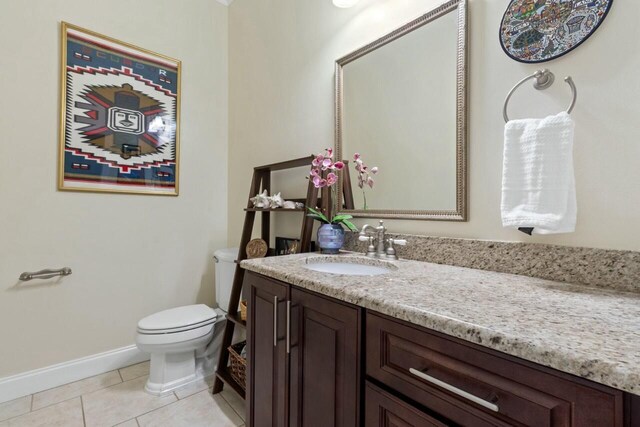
[(261, 181)]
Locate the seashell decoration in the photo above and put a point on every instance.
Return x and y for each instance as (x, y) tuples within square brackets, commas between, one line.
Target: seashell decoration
[(276, 201), (261, 200), (264, 201), (289, 205)]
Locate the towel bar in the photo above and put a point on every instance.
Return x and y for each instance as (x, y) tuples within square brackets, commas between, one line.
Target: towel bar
[(544, 79)]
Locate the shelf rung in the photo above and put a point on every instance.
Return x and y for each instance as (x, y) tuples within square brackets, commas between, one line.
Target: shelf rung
[(235, 318), (273, 210), (225, 376)]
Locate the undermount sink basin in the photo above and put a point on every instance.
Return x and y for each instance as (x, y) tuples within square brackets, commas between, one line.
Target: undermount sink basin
[(351, 267)]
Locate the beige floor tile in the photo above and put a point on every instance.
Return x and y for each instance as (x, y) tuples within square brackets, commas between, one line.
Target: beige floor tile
[(75, 389), (130, 423), (16, 407), (200, 410), (121, 402), (65, 414), (193, 388), (135, 371), (236, 402)]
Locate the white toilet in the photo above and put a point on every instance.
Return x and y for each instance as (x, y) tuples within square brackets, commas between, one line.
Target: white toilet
[(184, 342)]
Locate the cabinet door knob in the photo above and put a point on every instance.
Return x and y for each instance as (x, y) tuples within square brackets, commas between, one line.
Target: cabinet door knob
[(455, 390)]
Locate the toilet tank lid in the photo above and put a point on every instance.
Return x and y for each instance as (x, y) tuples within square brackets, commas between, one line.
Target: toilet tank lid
[(228, 254), (178, 317)]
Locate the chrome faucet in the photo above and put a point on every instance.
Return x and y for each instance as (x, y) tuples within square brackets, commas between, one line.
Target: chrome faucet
[(380, 246)]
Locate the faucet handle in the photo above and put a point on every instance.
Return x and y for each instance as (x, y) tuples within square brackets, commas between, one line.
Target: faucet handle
[(371, 250), (390, 252)]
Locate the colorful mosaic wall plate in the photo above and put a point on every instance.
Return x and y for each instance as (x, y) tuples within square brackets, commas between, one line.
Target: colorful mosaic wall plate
[(541, 30)]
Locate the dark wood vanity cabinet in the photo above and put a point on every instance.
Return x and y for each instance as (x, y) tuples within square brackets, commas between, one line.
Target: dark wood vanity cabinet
[(474, 386), (315, 361), (308, 372)]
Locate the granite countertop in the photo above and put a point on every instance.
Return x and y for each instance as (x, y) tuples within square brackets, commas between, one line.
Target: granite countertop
[(590, 332)]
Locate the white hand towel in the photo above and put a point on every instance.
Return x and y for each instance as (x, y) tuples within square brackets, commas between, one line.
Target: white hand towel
[(538, 184)]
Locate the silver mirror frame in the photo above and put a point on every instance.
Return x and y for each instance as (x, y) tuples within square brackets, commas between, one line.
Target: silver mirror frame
[(461, 211)]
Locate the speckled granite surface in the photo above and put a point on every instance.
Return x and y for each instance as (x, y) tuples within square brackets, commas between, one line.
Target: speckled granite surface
[(590, 332), (586, 266)]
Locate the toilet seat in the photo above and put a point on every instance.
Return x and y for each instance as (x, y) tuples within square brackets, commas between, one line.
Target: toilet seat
[(176, 320)]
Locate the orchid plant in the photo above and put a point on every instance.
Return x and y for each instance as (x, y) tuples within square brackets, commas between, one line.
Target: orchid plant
[(364, 176), (323, 163)]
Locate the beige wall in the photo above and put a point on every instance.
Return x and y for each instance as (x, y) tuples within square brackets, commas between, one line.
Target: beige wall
[(131, 255), (282, 55)]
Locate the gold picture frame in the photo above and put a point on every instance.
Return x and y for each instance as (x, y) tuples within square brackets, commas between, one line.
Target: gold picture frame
[(119, 116)]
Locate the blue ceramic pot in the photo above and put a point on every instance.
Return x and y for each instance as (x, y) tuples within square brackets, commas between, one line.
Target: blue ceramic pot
[(330, 238)]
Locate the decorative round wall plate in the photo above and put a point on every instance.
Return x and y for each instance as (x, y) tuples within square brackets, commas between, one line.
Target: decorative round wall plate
[(541, 30)]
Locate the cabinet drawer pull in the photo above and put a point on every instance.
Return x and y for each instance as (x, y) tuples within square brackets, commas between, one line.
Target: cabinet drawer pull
[(288, 327), (455, 390), (275, 321)]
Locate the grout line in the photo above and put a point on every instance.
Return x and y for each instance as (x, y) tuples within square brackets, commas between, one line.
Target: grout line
[(84, 420), (120, 375), (73, 397), (39, 409), (153, 410), (231, 406), (31, 404), (176, 395)]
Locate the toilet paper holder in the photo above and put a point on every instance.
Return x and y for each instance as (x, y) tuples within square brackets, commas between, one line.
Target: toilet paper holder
[(45, 274)]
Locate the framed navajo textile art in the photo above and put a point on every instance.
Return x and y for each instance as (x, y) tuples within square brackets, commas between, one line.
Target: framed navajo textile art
[(120, 116)]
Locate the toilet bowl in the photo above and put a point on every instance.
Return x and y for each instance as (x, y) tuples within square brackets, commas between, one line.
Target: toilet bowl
[(184, 344)]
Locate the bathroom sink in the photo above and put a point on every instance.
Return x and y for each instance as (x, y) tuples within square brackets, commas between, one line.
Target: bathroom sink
[(350, 267)]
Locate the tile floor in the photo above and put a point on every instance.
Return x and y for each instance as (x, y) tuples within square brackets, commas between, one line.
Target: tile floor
[(118, 398)]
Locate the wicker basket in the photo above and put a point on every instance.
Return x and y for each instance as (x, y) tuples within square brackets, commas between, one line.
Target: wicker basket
[(243, 311), (238, 364)]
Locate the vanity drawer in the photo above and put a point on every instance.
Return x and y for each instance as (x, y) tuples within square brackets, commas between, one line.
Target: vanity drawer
[(384, 410), (475, 386)]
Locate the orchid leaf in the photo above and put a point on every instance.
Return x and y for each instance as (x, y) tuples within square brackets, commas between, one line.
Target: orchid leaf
[(339, 218), (317, 215), (349, 225), (318, 218)]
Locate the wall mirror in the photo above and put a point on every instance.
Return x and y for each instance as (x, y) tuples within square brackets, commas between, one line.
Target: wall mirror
[(401, 103)]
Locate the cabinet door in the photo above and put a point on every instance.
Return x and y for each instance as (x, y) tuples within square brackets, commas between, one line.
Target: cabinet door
[(325, 365), (267, 376)]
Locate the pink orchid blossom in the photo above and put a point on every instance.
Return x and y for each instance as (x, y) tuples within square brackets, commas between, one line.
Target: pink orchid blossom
[(332, 178), (319, 182), (317, 161), (364, 175), (338, 165)]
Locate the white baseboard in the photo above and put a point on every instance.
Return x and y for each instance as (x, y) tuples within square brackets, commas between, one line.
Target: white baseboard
[(63, 373)]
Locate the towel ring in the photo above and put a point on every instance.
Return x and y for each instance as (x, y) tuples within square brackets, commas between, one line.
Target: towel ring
[(544, 79)]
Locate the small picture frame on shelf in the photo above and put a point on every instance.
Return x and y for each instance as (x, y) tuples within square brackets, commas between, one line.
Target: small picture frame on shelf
[(288, 246)]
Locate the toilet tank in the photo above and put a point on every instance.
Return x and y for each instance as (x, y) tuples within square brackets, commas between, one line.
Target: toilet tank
[(225, 269)]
